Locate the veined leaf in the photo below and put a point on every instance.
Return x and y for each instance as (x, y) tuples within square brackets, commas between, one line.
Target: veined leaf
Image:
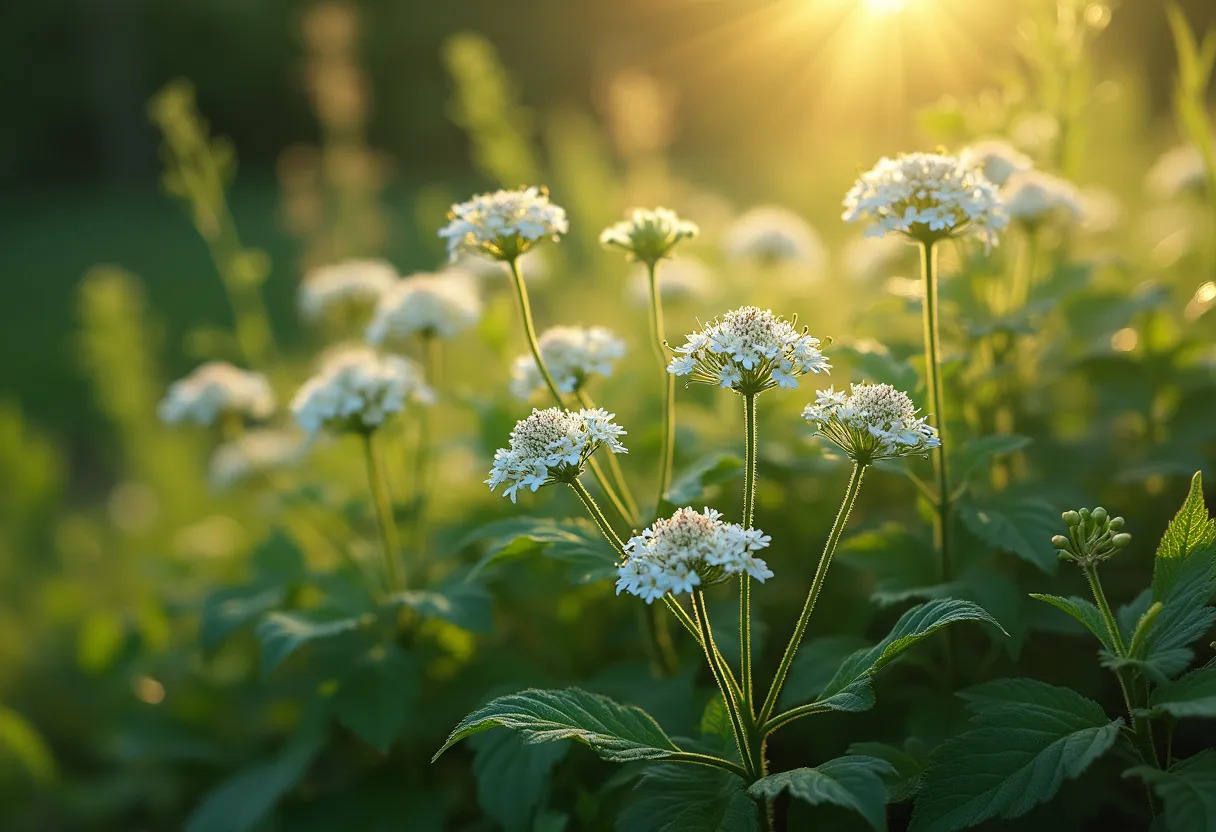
[(1188, 788), (282, 633), (1084, 611), (1021, 525), (1185, 614), (1192, 528), (854, 782), (1027, 737), (1191, 695), (677, 798), (619, 733)]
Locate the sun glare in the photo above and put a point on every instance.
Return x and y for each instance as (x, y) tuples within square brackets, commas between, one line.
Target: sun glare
[(885, 6)]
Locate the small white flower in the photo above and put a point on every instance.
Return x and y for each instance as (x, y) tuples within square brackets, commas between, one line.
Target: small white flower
[(1177, 172), (214, 389), (925, 196), (504, 224), (770, 234), (996, 159), (572, 354), (681, 280), (1033, 197), (350, 285), (443, 305), (552, 445), (689, 550), (749, 350), (649, 235), (256, 452), (871, 422), (356, 390)]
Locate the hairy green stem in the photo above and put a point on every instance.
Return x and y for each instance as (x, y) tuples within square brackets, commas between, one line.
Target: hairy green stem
[(384, 512), (829, 549), (933, 375), (597, 515), (716, 664), (614, 468), (422, 458), (749, 513), (659, 341)]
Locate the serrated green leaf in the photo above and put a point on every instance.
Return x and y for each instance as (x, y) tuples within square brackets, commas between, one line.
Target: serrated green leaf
[(244, 799), (513, 776), (1026, 738), (907, 768), (465, 604), (679, 798), (1191, 529), (227, 610), (378, 696), (854, 783), (1084, 611), (576, 542), (1188, 789), (1192, 695), (1185, 615), (282, 633), (1021, 525), (619, 733)]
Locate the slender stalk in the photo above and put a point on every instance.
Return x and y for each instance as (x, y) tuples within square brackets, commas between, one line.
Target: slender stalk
[(786, 717), (749, 513), (598, 516), (707, 760), (716, 664), (384, 512), (659, 341), (933, 374), (829, 549), (422, 458), (614, 468)]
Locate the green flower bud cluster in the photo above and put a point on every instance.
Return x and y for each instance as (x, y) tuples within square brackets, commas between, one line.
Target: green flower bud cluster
[(1093, 536)]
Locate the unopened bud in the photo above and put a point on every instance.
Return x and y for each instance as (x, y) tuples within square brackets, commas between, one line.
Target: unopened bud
[(1084, 514), (1071, 518), (1119, 541), (1099, 514), (1116, 524), (1060, 542)]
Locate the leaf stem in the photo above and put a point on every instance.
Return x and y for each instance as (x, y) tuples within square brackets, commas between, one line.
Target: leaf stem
[(708, 760), (384, 512), (821, 571), (716, 665)]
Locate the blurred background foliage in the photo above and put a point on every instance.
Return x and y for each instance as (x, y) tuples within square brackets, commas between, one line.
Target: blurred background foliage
[(130, 682)]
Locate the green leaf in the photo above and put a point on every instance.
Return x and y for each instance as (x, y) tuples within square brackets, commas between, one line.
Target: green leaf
[(377, 698), (278, 560), (1192, 528), (1021, 525), (691, 486), (979, 452), (854, 783), (1191, 695), (913, 626), (467, 605), (575, 542), (907, 766), (282, 633), (618, 733), (1084, 611), (227, 610), (678, 798), (1188, 789), (814, 665), (1185, 614), (21, 743), (513, 776), (1026, 738), (904, 566), (243, 800)]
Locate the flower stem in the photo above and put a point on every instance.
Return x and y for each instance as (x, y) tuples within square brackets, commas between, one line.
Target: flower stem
[(716, 667), (384, 512), (658, 339), (598, 516), (933, 374), (614, 468), (422, 459), (749, 512), (829, 549)]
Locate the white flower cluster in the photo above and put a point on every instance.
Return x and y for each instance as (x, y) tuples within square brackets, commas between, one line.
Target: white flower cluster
[(357, 389), (649, 235), (688, 550), (749, 350), (214, 389), (503, 224), (256, 452), (871, 422), (996, 159), (572, 354), (351, 284), (1033, 197), (680, 279), (770, 234), (425, 304), (927, 196), (553, 445)]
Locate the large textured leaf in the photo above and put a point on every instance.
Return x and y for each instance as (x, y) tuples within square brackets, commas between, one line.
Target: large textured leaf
[(243, 800), (681, 798), (616, 732), (913, 626), (1188, 788), (1191, 695), (513, 776), (1184, 617), (1084, 611), (378, 696), (1021, 525), (575, 542), (282, 633), (854, 783), (1026, 738), (1191, 529)]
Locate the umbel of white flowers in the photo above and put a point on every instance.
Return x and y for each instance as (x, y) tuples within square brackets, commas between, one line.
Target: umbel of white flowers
[(749, 350), (689, 550), (252, 454), (572, 354), (649, 235), (217, 389), (442, 305), (553, 445), (349, 285), (871, 422), (504, 224), (356, 390), (926, 197)]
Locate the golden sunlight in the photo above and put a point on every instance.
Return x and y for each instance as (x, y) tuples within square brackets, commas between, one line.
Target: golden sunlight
[(885, 6)]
